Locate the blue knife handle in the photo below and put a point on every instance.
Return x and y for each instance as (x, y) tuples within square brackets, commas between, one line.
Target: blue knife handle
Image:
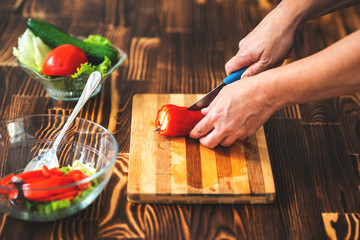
[(234, 76)]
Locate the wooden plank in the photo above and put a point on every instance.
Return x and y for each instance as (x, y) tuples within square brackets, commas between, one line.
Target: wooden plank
[(239, 168), (178, 150), (349, 112), (253, 162), (265, 161), (181, 170), (223, 166), (342, 225), (193, 166), (163, 157), (138, 148), (193, 157)]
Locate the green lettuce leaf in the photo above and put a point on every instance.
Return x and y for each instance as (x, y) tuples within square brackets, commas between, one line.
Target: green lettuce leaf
[(31, 50), (85, 168), (98, 39), (88, 68)]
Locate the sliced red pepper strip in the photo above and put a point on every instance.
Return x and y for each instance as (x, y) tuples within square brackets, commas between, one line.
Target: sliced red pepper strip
[(7, 179), (35, 179), (174, 121), (31, 191), (78, 175), (46, 172), (61, 196), (13, 194), (57, 171), (31, 174), (6, 182), (5, 190), (75, 171)]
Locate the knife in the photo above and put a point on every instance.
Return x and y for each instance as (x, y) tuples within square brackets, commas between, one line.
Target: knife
[(208, 98)]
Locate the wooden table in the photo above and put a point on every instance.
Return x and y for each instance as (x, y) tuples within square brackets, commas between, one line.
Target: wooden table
[(181, 47)]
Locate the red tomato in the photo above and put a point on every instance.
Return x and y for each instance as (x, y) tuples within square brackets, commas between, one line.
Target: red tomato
[(63, 60)]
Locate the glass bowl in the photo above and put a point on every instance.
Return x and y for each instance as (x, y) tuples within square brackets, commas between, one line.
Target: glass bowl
[(68, 88), (21, 139)]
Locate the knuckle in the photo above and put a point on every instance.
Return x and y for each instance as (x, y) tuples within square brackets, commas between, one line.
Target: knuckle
[(224, 130), (243, 44), (226, 143), (241, 133), (251, 132), (207, 143), (227, 66), (244, 133)]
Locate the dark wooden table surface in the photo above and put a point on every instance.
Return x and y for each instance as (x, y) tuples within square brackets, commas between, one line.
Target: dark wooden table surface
[(181, 47)]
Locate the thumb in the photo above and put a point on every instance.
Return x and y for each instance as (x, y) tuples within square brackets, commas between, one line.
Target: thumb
[(235, 63), (205, 111)]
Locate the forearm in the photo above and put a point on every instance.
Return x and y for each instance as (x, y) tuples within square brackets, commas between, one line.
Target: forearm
[(300, 11), (331, 72)]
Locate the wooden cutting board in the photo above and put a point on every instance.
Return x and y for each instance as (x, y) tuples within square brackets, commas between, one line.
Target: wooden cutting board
[(181, 170)]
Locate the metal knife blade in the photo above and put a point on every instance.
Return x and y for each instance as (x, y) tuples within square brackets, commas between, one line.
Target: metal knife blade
[(208, 98)]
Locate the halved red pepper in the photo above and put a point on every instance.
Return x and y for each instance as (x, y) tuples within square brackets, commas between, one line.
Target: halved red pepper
[(174, 121)]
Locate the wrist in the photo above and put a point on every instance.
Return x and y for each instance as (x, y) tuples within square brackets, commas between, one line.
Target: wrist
[(271, 88), (291, 13)]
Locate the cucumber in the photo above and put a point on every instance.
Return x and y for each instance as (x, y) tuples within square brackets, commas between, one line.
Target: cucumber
[(53, 36)]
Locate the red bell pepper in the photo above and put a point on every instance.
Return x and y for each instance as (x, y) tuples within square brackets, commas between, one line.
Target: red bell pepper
[(174, 121)]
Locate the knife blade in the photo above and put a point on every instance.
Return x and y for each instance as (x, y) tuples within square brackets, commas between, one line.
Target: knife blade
[(208, 98)]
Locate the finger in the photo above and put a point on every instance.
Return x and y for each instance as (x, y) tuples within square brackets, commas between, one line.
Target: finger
[(255, 68), (212, 139), (207, 109), (229, 140), (201, 129), (204, 111)]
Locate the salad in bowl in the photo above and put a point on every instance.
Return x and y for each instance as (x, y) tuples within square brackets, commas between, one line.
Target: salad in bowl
[(62, 62)]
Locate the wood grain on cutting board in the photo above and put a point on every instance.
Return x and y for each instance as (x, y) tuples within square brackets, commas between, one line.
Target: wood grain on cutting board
[(181, 170)]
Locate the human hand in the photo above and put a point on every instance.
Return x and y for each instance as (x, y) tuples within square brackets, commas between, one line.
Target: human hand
[(267, 46), (236, 113)]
